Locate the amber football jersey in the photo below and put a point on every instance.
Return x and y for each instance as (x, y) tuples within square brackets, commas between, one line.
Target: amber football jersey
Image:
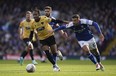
[(42, 27), (27, 27)]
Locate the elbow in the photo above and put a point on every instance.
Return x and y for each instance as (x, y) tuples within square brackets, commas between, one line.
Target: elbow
[(95, 24)]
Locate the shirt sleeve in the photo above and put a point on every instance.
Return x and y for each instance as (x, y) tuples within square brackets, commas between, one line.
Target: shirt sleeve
[(92, 23), (86, 21), (64, 27), (70, 24), (21, 24), (47, 19)]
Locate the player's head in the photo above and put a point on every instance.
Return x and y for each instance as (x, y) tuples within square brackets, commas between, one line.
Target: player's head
[(36, 14), (28, 15), (48, 10), (75, 19)]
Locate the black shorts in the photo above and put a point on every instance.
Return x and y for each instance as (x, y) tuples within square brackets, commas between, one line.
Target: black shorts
[(26, 40), (35, 44), (49, 41)]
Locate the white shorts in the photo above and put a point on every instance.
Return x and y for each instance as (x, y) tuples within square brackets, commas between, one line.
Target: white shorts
[(90, 43)]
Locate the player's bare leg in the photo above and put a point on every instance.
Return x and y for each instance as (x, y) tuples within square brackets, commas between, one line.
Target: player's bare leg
[(60, 55), (56, 52), (50, 58), (97, 56), (30, 49), (90, 56), (24, 53)]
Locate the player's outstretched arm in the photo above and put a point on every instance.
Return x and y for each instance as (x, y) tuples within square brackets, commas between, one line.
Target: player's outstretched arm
[(95, 24), (57, 29), (60, 28), (20, 32), (59, 21)]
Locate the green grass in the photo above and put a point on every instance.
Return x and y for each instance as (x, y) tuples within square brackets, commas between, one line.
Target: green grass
[(68, 68)]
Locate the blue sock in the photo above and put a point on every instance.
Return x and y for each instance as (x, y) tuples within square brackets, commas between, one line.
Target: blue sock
[(97, 58), (54, 56), (49, 56), (91, 57)]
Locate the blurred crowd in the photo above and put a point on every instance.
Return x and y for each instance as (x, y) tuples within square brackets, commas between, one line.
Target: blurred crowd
[(101, 11)]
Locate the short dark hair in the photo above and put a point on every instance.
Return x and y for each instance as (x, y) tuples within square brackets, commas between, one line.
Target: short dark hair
[(76, 16), (37, 10), (48, 7)]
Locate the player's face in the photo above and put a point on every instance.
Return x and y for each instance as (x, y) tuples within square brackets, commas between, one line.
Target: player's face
[(35, 15), (28, 15), (47, 12), (75, 21)]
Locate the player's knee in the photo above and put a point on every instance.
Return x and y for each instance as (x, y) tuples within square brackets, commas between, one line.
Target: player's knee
[(95, 52), (86, 49), (45, 47), (30, 46)]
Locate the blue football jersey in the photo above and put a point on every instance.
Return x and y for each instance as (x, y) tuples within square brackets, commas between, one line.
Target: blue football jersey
[(82, 30), (53, 24)]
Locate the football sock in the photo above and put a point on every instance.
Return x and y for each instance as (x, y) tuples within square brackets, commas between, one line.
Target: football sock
[(24, 53), (91, 57), (31, 54), (54, 56), (40, 53), (97, 58), (49, 56)]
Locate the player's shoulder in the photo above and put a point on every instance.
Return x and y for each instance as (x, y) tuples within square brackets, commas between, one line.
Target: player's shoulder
[(23, 21), (85, 21), (43, 17), (32, 20), (53, 17), (70, 24)]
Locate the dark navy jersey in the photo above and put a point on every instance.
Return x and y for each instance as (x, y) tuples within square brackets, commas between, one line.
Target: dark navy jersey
[(82, 30), (53, 24)]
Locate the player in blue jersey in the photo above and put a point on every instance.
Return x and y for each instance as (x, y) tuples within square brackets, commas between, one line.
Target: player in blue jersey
[(85, 38), (48, 11)]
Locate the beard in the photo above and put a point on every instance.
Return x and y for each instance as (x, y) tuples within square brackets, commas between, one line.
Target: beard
[(48, 15)]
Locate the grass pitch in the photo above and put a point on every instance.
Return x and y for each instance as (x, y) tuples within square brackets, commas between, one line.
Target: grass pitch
[(68, 68)]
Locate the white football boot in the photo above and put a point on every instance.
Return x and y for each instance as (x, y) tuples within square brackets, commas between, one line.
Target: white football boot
[(56, 68)]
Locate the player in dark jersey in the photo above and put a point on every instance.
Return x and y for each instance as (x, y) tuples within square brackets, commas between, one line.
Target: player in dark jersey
[(85, 38), (48, 11)]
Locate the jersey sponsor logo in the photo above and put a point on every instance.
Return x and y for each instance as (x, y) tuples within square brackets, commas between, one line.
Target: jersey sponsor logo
[(27, 28), (40, 29), (42, 23)]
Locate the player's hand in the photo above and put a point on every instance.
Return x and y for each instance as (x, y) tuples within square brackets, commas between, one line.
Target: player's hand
[(101, 36)]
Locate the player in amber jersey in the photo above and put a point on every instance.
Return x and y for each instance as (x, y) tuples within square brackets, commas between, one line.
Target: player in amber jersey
[(42, 56), (26, 30), (41, 26), (48, 11)]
